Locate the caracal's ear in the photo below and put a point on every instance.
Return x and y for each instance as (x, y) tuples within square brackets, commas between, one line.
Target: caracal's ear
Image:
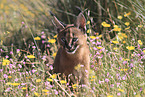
[(81, 22), (58, 24)]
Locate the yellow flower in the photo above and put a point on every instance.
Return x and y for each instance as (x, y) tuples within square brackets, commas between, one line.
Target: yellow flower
[(124, 35), (104, 24), (28, 77), (63, 82), (115, 48), (127, 14), (115, 42), (120, 90), (144, 51), (46, 93), (119, 17), (127, 23), (93, 76), (38, 80), (8, 83), (30, 56), (52, 40), (123, 69), (9, 76), (50, 80), (1, 42), (92, 80), (99, 47), (109, 95), (127, 28), (74, 86), (117, 29), (55, 36), (130, 47), (88, 22), (8, 32), (124, 42), (24, 88), (54, 54), (88, 31), (77, 67), (140, 26), (15, 84), (93, 37), (140, 42), (115, 26), (126, 59), (36, 94), (5, 62), (100, 36), (45, 90), (53, 76), (37, 38)]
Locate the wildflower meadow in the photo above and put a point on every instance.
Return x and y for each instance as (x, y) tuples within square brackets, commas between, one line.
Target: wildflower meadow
[(28, 46)]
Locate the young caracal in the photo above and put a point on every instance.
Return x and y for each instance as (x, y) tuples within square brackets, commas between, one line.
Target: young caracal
[(72, 58)]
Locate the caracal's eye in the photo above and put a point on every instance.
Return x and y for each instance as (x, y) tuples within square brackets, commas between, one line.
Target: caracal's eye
[(75, 39), (63, 39)]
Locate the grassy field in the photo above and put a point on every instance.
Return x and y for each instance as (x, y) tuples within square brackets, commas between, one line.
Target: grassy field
[(117, 64)]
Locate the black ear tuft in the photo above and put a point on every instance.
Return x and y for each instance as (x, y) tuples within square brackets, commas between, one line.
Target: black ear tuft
[(59, 25), (51, 13)]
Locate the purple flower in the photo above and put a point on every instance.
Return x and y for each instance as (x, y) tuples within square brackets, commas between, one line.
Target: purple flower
[(48, 45), (8, 89), (43, 36), (101, 82), (124, 77), (98, 43), (16, 79), (7, 56), (94, 48), (5, 76), (118, 84), (120, 58), (43, 41), (33, 89), (33, 70), (56, 92), (140, 89), (18, 50), (20, 65), (23, 84), (124, 62), (1, 70), (22, 22), (118, 94), (42, 32), (27, 95), (106, 80), (97, 53), (131, 65), (33, 47), (107, 74), (112, 85), (47, 64), (51, 67), (46, 83), (93, 43)]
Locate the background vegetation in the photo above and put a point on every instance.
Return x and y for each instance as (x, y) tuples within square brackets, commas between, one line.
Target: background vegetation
[(28, 47)]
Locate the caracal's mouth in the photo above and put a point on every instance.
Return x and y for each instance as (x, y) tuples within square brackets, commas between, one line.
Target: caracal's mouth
[(72, 50)]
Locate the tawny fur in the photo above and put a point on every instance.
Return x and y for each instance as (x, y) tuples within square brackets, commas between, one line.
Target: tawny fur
[(66, 63)]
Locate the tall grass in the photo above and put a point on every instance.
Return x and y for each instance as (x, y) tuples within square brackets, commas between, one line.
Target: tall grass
[(117, 63)]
